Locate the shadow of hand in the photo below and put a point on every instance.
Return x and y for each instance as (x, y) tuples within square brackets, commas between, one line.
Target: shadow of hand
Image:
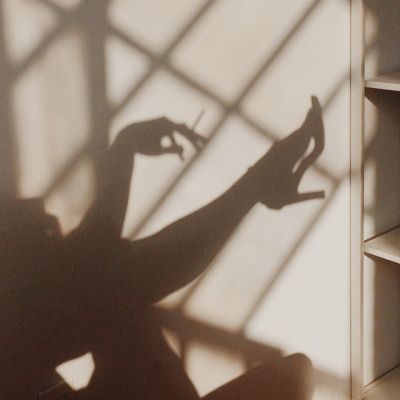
[(277, 175), (156, 137)]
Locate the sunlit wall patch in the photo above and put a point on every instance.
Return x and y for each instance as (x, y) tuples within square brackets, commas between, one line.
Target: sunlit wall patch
[(78, 372)]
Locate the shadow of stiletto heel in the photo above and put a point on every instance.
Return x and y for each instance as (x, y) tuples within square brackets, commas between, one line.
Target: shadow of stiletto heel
[(314, 129), (280, 171)]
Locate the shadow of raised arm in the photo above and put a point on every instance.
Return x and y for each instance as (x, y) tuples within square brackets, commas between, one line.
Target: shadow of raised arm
[(107, 214)]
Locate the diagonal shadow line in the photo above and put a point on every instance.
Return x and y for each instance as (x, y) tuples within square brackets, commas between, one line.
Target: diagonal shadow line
[(214, 96), (65, 20), (93, 27), (177, 40), (258, 128), (327, 104), (227, 112), (187, 295), (241, 114), (250, 122), (189, 329), (199, 87), (195, 285), (162, 198), (336, 383), (264, 293), (254, 125), (8, 148), (129, 41), (67, 16), (266, 290), (272, 57), (13, 72), (29, 60), (208, 93), (261, 298), (262, 131), (98, 133), (160, 60), (67, 168), (189, 26), (55, 7)]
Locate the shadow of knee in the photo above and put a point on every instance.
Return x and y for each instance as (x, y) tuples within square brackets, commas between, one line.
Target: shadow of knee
[(299, 373)]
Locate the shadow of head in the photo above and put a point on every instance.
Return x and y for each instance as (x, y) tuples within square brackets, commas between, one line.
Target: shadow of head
[(26, 219)]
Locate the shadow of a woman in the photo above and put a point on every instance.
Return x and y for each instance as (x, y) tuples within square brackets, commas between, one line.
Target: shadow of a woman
[(92, 291)]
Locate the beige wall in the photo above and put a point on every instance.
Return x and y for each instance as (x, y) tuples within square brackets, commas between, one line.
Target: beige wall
[(78, 76)]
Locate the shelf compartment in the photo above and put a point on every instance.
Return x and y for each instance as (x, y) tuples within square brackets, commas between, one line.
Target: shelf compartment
[(385, 388), (385, 82), (386, 246)]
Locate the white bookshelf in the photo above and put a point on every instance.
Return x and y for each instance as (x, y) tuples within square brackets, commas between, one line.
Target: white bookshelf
[(385, 82), (385, 388), (386, 246)]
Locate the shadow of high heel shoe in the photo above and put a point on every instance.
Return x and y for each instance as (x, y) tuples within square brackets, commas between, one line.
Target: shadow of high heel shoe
[(279, 172)]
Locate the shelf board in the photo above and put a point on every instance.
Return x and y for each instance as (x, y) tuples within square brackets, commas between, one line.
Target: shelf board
[(385, 246), (385, 82), (385, 388)]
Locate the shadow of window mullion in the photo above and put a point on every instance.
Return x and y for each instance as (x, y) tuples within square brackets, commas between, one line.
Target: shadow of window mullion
[(282, 267), (276, 52), (157, 61), (8, 147), (187, 296), (255, 352), (65, 20), (226, 114), (67, 169)]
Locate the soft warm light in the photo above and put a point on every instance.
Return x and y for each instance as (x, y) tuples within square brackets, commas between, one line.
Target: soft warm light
[(78, 372)]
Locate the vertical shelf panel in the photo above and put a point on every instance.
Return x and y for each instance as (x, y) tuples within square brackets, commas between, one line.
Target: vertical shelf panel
[(357, 198)]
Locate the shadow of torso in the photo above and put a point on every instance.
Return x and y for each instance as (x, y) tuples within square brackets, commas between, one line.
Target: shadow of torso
[(64, 298)]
